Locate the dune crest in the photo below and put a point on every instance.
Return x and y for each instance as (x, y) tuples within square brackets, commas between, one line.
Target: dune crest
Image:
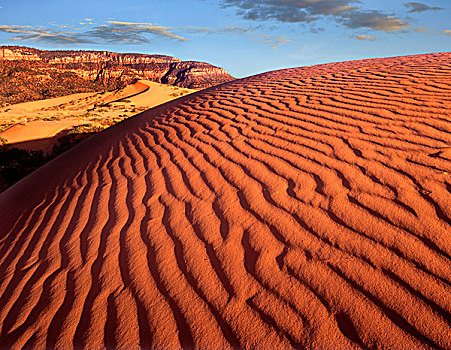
[(300, 208)]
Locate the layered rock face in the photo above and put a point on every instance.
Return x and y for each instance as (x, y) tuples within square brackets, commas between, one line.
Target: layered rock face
[(110, 70)]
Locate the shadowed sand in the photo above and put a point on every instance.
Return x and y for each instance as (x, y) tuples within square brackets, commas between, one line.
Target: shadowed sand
[(301, 208)]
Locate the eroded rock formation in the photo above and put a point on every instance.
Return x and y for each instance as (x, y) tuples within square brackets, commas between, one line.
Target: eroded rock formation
[(23, 70)]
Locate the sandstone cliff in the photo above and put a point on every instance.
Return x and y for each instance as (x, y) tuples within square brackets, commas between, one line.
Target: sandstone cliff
[(54, 73)]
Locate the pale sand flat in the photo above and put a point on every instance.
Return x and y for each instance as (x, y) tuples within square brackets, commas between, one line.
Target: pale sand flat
[(35, 130)]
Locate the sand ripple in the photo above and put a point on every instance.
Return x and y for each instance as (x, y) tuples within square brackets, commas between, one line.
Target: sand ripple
[(302, 208)]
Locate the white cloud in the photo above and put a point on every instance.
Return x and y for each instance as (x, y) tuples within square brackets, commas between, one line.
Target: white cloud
[(273, 41), (114, 31), (364, 37)]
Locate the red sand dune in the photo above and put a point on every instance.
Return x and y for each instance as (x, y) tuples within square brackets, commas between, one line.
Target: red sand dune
[(304, 208), (38, 129), (128, 91)]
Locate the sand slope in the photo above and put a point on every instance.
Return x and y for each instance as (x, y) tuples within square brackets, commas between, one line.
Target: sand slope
[(37, 129), (304, 208), (44, 119)]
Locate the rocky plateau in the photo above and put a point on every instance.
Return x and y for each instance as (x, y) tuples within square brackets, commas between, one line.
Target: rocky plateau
[(29, 74)]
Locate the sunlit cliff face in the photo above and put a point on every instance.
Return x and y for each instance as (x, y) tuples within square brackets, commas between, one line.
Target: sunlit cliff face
[(104, 66)]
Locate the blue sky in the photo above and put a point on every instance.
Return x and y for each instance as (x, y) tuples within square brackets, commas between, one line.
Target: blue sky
[(243, 36)]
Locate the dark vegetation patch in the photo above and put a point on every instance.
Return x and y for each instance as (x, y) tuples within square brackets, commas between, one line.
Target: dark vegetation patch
[(16, 163)]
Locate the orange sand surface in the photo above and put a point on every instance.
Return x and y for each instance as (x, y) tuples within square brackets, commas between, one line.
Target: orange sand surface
[(129, 90), (38, 129), (158, 94), (300, 208), (32, 106), (46, 118)]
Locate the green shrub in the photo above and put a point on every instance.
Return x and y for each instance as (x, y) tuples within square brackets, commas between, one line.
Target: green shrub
[(52, 118), (3, 142)]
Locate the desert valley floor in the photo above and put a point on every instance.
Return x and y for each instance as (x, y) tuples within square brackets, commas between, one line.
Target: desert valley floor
[(300, 208)]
